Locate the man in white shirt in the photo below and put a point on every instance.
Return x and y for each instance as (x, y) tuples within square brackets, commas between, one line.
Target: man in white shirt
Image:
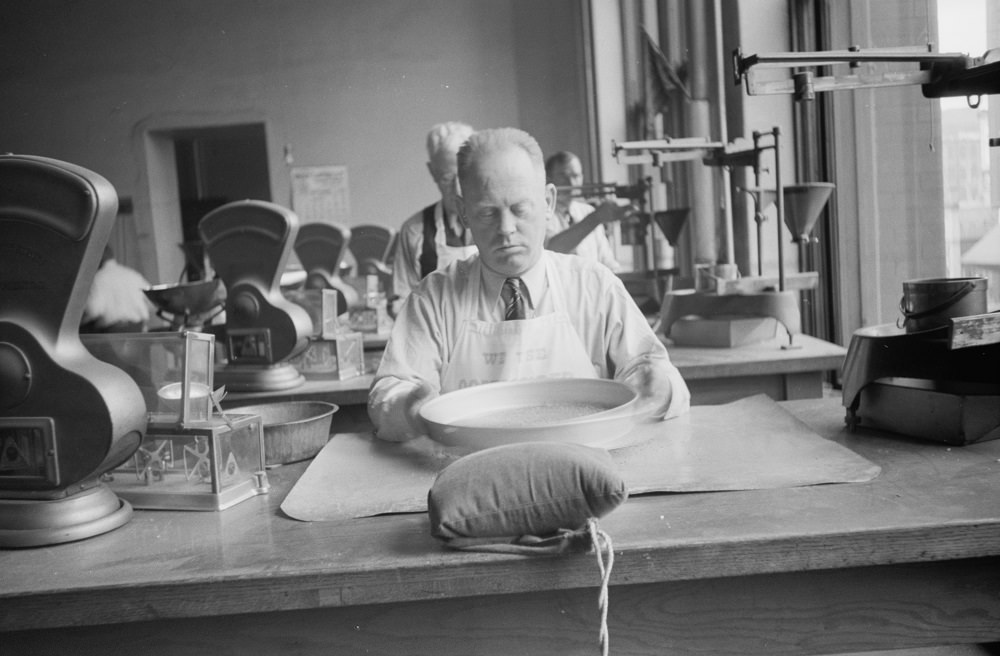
[(434, 237), (116, 302), (566, 316), (576, 226)]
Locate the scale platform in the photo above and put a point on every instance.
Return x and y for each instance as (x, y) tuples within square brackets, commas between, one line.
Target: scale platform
[(941, 384), (743, 316)]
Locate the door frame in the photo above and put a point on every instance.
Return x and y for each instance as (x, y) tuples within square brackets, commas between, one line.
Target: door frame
[(157, 201)]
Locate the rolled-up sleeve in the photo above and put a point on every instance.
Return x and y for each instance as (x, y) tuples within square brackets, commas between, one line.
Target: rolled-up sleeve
[(638, 358), (412, 357)]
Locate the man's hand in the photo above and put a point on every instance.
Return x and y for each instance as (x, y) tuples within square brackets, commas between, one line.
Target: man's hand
[(654, 390), (419, 396), (609, 211), (396, 412)]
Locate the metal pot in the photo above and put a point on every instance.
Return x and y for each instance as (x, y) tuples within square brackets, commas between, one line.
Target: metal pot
[(929, 303)]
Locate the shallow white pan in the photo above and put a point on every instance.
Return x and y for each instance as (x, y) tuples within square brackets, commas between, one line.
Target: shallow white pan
[(589, 411)]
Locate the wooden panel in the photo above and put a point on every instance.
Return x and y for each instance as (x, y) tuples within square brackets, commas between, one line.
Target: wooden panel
[(976, 330), (812, 613)]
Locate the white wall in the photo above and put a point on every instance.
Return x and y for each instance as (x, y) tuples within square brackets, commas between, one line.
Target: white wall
[(347, 82), (888, 172)]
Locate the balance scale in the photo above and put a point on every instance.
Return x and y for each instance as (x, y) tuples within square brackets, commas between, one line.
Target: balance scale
[(248, 244), (66, 418), (726, 297), (320, 248)]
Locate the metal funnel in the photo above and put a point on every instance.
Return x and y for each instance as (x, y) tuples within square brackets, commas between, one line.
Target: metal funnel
[(803, 205), (671, 222)]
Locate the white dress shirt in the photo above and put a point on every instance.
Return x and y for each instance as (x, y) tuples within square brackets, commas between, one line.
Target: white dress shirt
[(617, 337), (595, 246)]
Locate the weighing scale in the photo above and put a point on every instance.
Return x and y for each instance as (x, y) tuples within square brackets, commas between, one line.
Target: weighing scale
[(65, 417), (936, 375), (188, 305), (727, 297), (248, 243), (320, 248)]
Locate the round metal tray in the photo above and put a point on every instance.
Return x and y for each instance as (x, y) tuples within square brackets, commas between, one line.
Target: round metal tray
[(593, 412)]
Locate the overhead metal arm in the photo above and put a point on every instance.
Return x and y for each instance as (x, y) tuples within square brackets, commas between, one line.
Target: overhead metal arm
[(939, 74)]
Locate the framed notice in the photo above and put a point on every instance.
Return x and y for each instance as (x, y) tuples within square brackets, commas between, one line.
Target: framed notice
[(320, 194)]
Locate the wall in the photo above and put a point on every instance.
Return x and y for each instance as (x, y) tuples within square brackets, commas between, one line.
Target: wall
[(347, 82), (889, 179)]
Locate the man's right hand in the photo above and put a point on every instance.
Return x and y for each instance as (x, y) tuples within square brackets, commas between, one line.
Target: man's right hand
[(396, 411)]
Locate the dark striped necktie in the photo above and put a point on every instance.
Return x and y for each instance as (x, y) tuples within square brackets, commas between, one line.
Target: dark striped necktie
[(513, 300)]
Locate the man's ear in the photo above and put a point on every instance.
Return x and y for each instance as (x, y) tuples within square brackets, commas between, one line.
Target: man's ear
[(550, 197), (430, 169)]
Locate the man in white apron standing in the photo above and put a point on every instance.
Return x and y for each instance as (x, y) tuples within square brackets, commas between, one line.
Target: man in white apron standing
[(434, 237), (514, 311)]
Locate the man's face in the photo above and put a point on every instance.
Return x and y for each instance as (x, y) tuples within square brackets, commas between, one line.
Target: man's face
[(504, 203), (444, 169), (569, 174)]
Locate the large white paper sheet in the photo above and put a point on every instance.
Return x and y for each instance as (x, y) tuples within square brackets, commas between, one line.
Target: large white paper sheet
[(749, 444)]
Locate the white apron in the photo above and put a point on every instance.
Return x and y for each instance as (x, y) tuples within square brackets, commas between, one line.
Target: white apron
[(447, 254), (544, 347)]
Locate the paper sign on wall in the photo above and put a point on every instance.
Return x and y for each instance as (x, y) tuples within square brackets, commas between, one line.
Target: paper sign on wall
[(320, 194)]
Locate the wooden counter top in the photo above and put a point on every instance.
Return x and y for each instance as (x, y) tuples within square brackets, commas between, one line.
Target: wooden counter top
[(715, 375), (802, 549), (809, 354), (721, 375)]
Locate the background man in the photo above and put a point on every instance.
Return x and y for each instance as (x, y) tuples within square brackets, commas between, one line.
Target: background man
[(433, 237), (576, 226)]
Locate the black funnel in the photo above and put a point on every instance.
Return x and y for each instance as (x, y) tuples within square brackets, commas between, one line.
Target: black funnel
[(671, 222)]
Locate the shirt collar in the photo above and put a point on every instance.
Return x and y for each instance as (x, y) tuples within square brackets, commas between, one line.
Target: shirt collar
[(533, 279)]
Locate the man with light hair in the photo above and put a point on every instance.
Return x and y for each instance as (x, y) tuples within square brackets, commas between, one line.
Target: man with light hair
[(515, 311), (434, 237)]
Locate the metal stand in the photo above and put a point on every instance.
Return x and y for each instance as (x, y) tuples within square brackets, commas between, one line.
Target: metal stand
[(756, 297)]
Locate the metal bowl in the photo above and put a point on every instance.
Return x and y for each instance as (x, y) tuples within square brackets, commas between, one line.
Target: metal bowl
[(188, 299), (293, 430), (590, 411)]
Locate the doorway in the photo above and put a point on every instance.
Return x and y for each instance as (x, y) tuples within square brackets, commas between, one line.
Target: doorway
[(216, 165)]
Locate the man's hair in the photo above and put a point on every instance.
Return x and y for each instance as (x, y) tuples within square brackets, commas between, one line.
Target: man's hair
[(495, 139), (450, 134), (562, 158)]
